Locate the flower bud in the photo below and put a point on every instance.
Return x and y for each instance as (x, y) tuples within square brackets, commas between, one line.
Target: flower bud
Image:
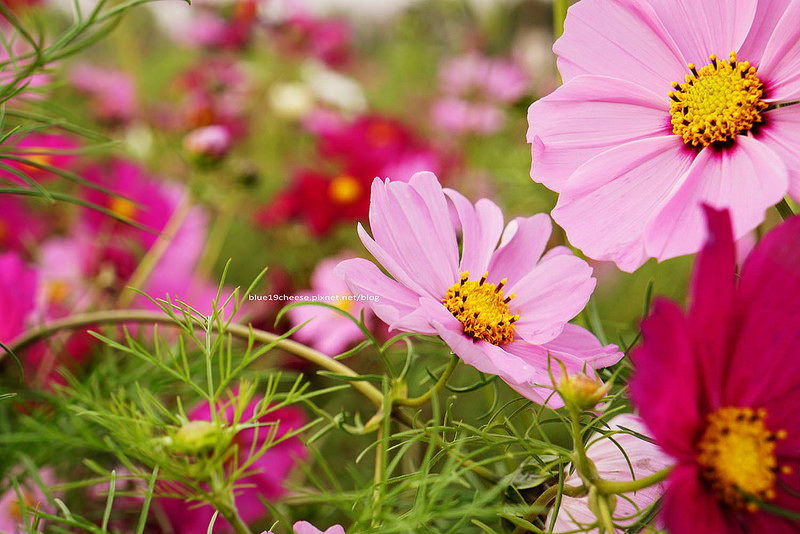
[(580, 391), (196, 437)]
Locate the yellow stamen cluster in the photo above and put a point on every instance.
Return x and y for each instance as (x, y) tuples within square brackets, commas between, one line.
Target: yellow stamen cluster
[(716, 103), (737, 457), (123, 208), (482, 310), (344, 189)]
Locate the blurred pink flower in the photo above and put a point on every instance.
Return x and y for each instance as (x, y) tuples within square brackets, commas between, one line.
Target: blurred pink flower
[(269, 471), (112, 92), (328, 332), (475, 88), (514, 337), (304, 527), (12, 511), (20, 226), (719, 386), (18, 284), (51, 149), (629, 458), (635, 144), (208, 142)]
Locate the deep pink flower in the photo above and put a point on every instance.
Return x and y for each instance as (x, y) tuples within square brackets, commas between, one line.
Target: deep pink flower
[(270, 470), (627, 457), (17, 295), (521, 297), (20, 226), (328, 332), (51, 149), (634, 157), (719, 386)]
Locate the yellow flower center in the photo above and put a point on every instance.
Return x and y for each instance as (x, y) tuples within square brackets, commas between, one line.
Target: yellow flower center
[(716, 103), (344, 189), (482, 310), (41, 159), (56, 291), (737, 457), (123, 208)]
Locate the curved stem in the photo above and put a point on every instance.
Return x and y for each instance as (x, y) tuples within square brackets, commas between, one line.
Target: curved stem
[(237, 330), (437, 387), (610, 486), (784, 209), (544, 500)]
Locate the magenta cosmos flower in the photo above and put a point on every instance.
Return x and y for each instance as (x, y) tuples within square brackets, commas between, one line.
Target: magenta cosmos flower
[(626, 457), (504, 309), (667, 105), (719, 386), (269, 471)]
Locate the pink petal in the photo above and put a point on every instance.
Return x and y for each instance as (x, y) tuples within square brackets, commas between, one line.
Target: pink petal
[(780, 66), (769, 324), (768, 13), (389, 300), (630, 44), (576, 347), (689, 507), (387, 260), (610, 199), (704, 27), (587, 116), (549, 296), (782, 134), (481, 227), (522, 245), (747, 178), (665, 387), (712, 298)]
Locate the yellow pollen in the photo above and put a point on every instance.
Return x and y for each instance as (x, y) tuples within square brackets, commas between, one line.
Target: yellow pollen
[(56, 291), (716, 103), (41, 159), (344, 189), (737, 457), (123, 208), (482, 310)]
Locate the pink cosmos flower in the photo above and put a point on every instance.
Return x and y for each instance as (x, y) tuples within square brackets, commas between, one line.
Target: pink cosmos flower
[(666, 106), (719, 386), (51, 149), (16, 516), (112, 92), (504, 309), (17, 295), (328, 332), (475, 87), (266, 482), (639, 459), (304, 527)]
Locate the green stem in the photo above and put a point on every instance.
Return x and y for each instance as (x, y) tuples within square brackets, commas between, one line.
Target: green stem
[(241, 331), (439, 386), (607, 487), (148, 263), (584, 466), (544, 500), (559, 15), (784, 209)]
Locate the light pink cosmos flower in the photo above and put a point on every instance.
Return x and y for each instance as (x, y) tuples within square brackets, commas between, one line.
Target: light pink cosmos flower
[(112, 92), (304, 527), (665, 106), (475, 87), (617, 462), (328, 331), (16, 516), (504, 309)]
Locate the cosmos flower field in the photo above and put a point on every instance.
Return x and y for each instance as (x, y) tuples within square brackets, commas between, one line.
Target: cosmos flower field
[(399, 266)]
